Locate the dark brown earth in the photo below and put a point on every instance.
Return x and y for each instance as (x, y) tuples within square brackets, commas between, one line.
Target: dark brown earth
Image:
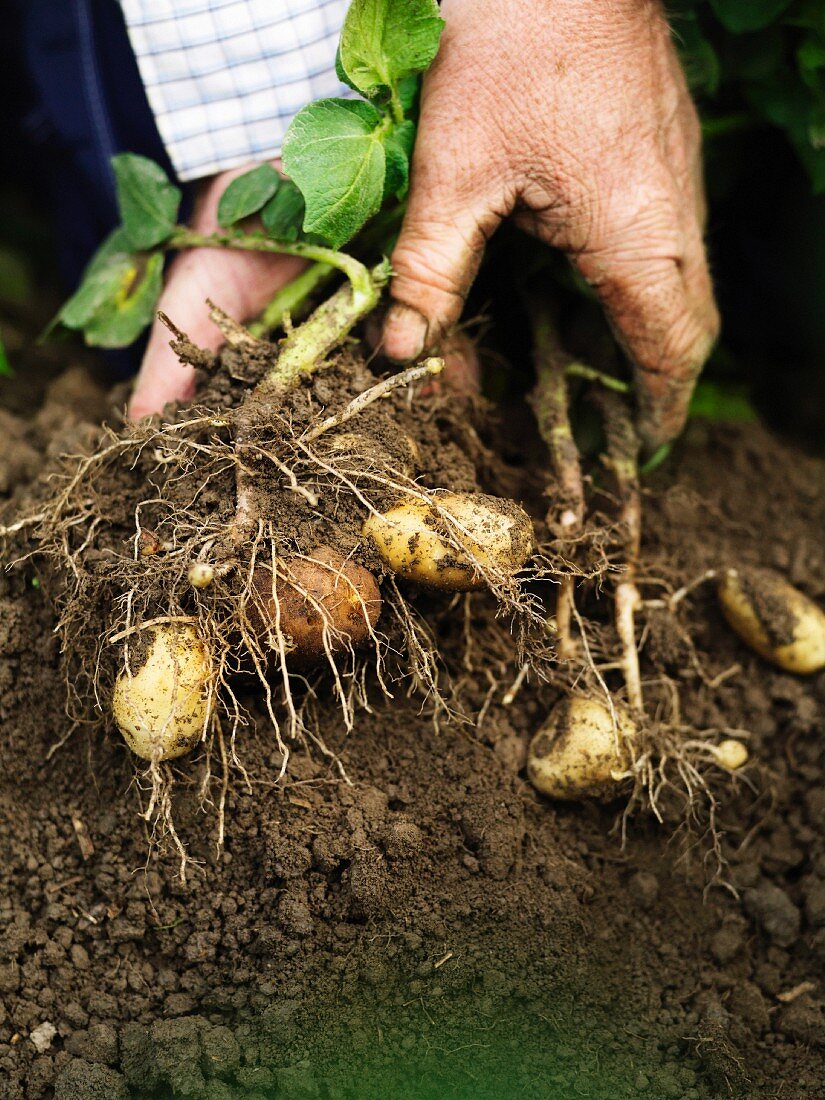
[(435, 929)]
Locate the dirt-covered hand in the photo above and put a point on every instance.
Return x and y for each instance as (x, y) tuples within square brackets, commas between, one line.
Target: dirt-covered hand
[(573, 117), (240, 283)]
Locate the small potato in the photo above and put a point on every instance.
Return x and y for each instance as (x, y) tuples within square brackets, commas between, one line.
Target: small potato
[(774, 619), (731, 754), (326, 596), (579, 753), (415, 541), (162, 706)]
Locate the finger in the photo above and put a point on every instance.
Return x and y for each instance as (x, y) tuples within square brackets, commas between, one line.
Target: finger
[(446, 227), (461, 376), (462, 370), (435, 262), (667, 323), (646, 261), (239, 283)]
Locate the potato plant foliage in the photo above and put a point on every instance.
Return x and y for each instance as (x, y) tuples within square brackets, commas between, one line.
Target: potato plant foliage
[(758, 61)]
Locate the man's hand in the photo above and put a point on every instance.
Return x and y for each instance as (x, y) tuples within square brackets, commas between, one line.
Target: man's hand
[(574, 116), (239, 283)]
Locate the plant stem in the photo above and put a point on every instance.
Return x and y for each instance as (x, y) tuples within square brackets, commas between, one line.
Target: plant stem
[(358, 275), (549, 402), (581, 370), (428, 368), (290, 298), (302, 353), (622, 458), (306, 347)]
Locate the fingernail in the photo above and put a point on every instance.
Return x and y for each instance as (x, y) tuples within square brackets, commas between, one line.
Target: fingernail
[(405, 332)]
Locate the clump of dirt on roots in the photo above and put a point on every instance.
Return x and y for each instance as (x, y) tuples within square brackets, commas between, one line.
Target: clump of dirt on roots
[(248, 487), (248, 490)]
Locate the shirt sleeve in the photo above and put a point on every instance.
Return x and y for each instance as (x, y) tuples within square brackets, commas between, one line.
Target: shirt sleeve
[(224, 78)]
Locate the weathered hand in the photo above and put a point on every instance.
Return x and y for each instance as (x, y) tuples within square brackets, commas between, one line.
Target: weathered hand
[(240, 283), (574, 117)]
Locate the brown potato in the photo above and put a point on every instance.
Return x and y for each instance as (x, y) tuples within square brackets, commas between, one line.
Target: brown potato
[(774, 619), (327, 597), (418, 543)]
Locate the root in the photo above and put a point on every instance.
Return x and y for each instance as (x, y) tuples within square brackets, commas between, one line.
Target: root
[(621, 459), (549, 401), (121, 560), (675, 772), (429, 367)]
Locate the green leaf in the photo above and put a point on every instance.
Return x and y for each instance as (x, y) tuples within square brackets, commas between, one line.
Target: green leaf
[(383, 41), (339, 71), (334, 151), (656, 459), (742, 16), (398, 148), (247, 194), (148, 201), (283, 215), (101, 280), (121, 320), (5, 365), (699, 59), (720, 401), (408, 92)]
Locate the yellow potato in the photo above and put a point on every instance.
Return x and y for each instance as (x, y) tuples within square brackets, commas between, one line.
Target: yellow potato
[(162, 706), (418, 543), (579, 753), (774, 619), (731, 754)]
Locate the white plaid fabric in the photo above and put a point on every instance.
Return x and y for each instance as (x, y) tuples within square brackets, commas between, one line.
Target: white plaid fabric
[(225, 77)]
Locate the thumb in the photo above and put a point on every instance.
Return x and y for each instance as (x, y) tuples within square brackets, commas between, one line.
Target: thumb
[(241, 284), (435, 260)]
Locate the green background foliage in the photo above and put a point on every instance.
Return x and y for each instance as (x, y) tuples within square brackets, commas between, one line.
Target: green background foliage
[(758, 61)]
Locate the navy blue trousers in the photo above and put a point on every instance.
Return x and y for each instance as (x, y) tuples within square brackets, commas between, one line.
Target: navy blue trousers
[(83, 102)]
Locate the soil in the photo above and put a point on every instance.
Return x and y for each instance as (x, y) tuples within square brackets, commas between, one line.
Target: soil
[(431, 927)]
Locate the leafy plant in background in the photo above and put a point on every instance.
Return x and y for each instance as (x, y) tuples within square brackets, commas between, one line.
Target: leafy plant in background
[(346, 159), (752, 61), (5, 366)]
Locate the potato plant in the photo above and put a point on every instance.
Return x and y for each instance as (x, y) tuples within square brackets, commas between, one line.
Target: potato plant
[(256, 538), (283, 527)]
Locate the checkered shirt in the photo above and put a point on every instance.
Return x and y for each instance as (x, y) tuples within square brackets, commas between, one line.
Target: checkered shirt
[(225, 77)]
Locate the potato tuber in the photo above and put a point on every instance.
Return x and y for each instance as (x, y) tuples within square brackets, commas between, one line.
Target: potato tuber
[(162, 708), (774, 619), (320, 602), (580, 752), (450, 542)]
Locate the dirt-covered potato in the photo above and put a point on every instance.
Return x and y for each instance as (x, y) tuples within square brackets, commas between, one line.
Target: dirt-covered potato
[(580, 752), (774, 618), (161, 698), (321, 595), (401, 453), (416, 542)]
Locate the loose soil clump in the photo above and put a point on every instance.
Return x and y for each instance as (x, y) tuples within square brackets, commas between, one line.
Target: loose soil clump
[(394, 911)]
